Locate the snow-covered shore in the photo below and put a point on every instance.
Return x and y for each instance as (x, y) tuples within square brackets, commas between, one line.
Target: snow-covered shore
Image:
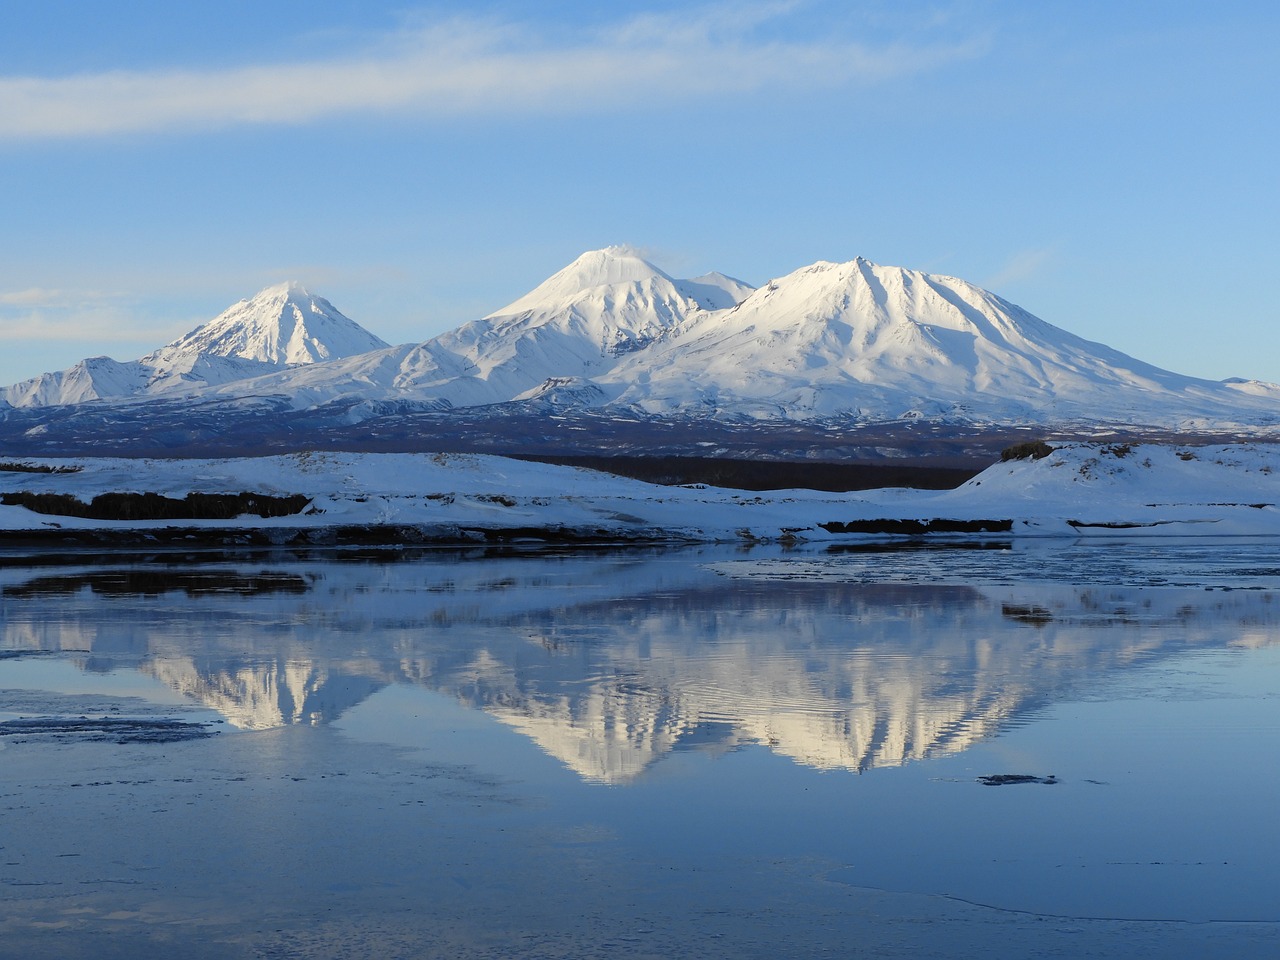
[(1077, 490)]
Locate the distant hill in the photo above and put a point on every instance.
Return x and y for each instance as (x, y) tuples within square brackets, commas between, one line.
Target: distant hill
[(282, 326)]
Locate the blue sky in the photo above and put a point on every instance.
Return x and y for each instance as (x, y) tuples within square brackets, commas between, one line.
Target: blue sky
[(1109, 166)]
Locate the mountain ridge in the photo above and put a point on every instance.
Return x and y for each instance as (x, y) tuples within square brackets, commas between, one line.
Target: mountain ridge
[(859, 339), (573, 327), (281, 326), (845, 344)]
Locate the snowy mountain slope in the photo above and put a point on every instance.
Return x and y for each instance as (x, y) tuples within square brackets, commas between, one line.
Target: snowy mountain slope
[(572, 327), (1255, 388), (863, 340), (845, 344), (90, 379), (282, 326), (412, 371), (606, 304), (715, 291), (848, 341)]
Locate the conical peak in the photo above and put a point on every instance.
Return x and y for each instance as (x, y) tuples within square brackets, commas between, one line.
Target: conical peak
[(282, 324), (283, 304), (606, 267), (616, 264), (288, 290)]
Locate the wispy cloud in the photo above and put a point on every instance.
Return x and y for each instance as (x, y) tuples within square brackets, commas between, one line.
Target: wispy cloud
[(468, 67), (1019, 266), (31, 297), (41, 315), (43, 326)]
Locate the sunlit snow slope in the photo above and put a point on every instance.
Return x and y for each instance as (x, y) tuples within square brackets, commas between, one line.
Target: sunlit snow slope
[(856, 338), (576, 325), (283, 326), (849, 343)]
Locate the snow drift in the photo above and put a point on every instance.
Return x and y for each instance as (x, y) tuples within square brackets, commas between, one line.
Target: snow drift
[(1076, 490)]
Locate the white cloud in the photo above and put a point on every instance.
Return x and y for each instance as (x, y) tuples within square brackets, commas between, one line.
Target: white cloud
[(466, 67), (36, 326), (31, 297), (1020, 266), (41, 315)]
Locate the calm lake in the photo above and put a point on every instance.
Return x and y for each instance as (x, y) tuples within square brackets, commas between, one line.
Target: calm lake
[(706, 752)]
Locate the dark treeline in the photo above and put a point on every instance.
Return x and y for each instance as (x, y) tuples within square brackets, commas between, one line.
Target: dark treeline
[(768, 474), (153, 506)]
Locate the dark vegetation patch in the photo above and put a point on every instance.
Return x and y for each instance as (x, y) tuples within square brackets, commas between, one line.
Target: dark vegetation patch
[(1128, 524), (11, 467), (1005, 779), (738, 474), (1033, 450), (153, 506), (498, 498), (918, 527)]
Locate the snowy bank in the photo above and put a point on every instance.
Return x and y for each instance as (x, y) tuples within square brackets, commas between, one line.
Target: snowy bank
[(1076, 490)]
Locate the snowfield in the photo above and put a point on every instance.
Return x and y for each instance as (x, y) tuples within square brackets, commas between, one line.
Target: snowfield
[(1077, 490)]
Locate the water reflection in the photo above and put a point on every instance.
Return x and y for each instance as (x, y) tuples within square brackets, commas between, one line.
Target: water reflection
[(609, 662)]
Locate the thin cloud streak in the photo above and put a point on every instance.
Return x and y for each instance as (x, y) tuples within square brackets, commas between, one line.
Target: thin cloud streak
[(105, 325), (1020, 266), (32, 297), (40, 315), (466, 68)]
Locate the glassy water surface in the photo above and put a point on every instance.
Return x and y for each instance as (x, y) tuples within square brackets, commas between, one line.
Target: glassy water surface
[(700, 752)]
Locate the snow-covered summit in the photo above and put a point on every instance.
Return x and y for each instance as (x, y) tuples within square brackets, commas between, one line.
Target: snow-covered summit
[(606, 304), (548, 345), (609, 266), (283, 325), (849, 342), (622, 269), (882, 342)]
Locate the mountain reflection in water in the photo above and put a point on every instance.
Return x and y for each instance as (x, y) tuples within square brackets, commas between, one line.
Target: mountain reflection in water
[(609, 662)]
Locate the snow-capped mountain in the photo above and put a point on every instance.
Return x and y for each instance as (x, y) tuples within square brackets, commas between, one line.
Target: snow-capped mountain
[(854, 342), (575, 326), (839, 345), (283, 326), (860, 340)]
